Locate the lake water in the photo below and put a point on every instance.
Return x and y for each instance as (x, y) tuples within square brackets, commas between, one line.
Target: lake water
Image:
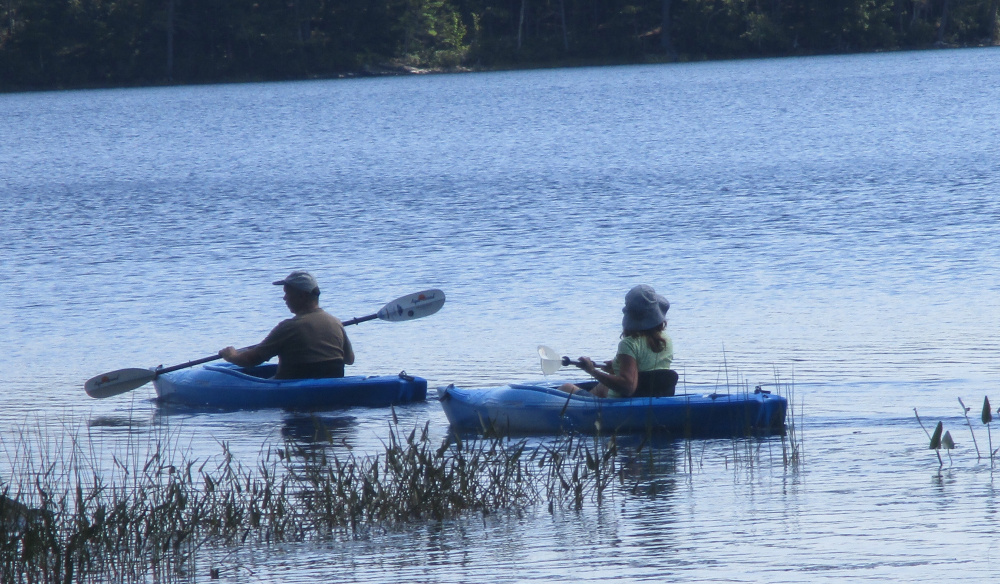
[(831, 221)]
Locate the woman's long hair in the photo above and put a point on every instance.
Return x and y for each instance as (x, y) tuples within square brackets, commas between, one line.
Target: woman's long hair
[(654, 336)]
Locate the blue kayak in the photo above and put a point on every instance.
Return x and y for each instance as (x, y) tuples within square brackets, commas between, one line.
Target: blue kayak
[(541, 408), (230, 387)]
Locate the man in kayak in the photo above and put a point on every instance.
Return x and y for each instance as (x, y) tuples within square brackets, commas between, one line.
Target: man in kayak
[(311, 345), (641, 367)]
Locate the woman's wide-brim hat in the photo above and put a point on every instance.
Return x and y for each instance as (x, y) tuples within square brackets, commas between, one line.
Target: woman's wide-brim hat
[(644, 309)]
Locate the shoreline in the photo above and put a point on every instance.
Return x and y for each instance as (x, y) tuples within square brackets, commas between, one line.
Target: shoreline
[(403, 70)]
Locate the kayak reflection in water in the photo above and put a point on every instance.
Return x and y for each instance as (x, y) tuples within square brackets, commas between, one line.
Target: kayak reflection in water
[(641, 367), (311, 345)]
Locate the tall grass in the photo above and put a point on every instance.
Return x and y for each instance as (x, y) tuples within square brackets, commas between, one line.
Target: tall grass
[(747, 452), (154, 511), (792, 441), (68, 517)]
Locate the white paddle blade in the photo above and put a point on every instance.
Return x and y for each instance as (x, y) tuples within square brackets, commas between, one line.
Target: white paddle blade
[(551, 361), (417, 305), (117, 382)]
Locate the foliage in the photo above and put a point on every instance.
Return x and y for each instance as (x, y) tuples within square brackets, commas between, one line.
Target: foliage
[(73, 43)]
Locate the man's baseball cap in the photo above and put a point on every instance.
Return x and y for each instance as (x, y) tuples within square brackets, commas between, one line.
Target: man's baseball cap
[(302, 281)]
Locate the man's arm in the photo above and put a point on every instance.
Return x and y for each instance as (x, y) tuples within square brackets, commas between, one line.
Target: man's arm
[(348, 351), (244, 358)]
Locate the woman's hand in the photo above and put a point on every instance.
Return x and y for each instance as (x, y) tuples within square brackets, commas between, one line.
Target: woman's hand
[(624, 382), (587, 365)]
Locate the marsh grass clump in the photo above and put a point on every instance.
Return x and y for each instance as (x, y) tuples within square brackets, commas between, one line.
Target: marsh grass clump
[(141, 515), (78, 509), (577, 468), (411, 479), (414, 480), (69, 515)]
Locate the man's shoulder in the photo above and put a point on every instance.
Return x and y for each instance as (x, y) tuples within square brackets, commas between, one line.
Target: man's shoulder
[(284, 324), (319, 315)]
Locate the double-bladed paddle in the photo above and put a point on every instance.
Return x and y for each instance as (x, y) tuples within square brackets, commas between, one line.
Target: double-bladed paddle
[(409, 307), (551, 361)]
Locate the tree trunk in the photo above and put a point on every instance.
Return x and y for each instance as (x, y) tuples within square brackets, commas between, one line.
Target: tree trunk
[(665, 41), (298, 24), (944, 21), (301, 47), (520, 24), (916, 13), (994, 25), (170, 40), (562, 14)]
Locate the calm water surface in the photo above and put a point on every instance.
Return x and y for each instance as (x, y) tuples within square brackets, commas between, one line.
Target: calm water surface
[(829, 221)]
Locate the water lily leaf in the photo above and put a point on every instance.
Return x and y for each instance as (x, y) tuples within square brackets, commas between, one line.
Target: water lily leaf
[(947, 443), (987, 414), (936, 437)]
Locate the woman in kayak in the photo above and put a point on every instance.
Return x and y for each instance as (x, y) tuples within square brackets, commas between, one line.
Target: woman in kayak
[(641, 367)]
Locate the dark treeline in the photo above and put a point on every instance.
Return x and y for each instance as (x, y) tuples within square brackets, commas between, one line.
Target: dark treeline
[(80, 43)]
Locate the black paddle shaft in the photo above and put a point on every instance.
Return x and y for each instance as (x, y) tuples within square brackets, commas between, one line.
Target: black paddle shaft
[(162, 370), (567, 361), (360, 319)]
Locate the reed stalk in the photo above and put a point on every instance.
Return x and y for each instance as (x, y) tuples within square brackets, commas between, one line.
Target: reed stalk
[(965, 412), (792, 443)]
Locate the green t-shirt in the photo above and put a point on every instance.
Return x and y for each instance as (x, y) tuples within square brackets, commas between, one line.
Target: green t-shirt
[(645, 358)]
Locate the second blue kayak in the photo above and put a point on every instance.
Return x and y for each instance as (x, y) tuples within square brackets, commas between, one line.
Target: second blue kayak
[(541, 408)]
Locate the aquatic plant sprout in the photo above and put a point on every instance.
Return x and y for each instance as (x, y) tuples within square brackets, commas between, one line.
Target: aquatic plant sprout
[(987, 416), (942, 439)]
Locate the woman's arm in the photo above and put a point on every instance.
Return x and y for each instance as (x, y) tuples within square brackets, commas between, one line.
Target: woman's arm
[(625, 382)]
